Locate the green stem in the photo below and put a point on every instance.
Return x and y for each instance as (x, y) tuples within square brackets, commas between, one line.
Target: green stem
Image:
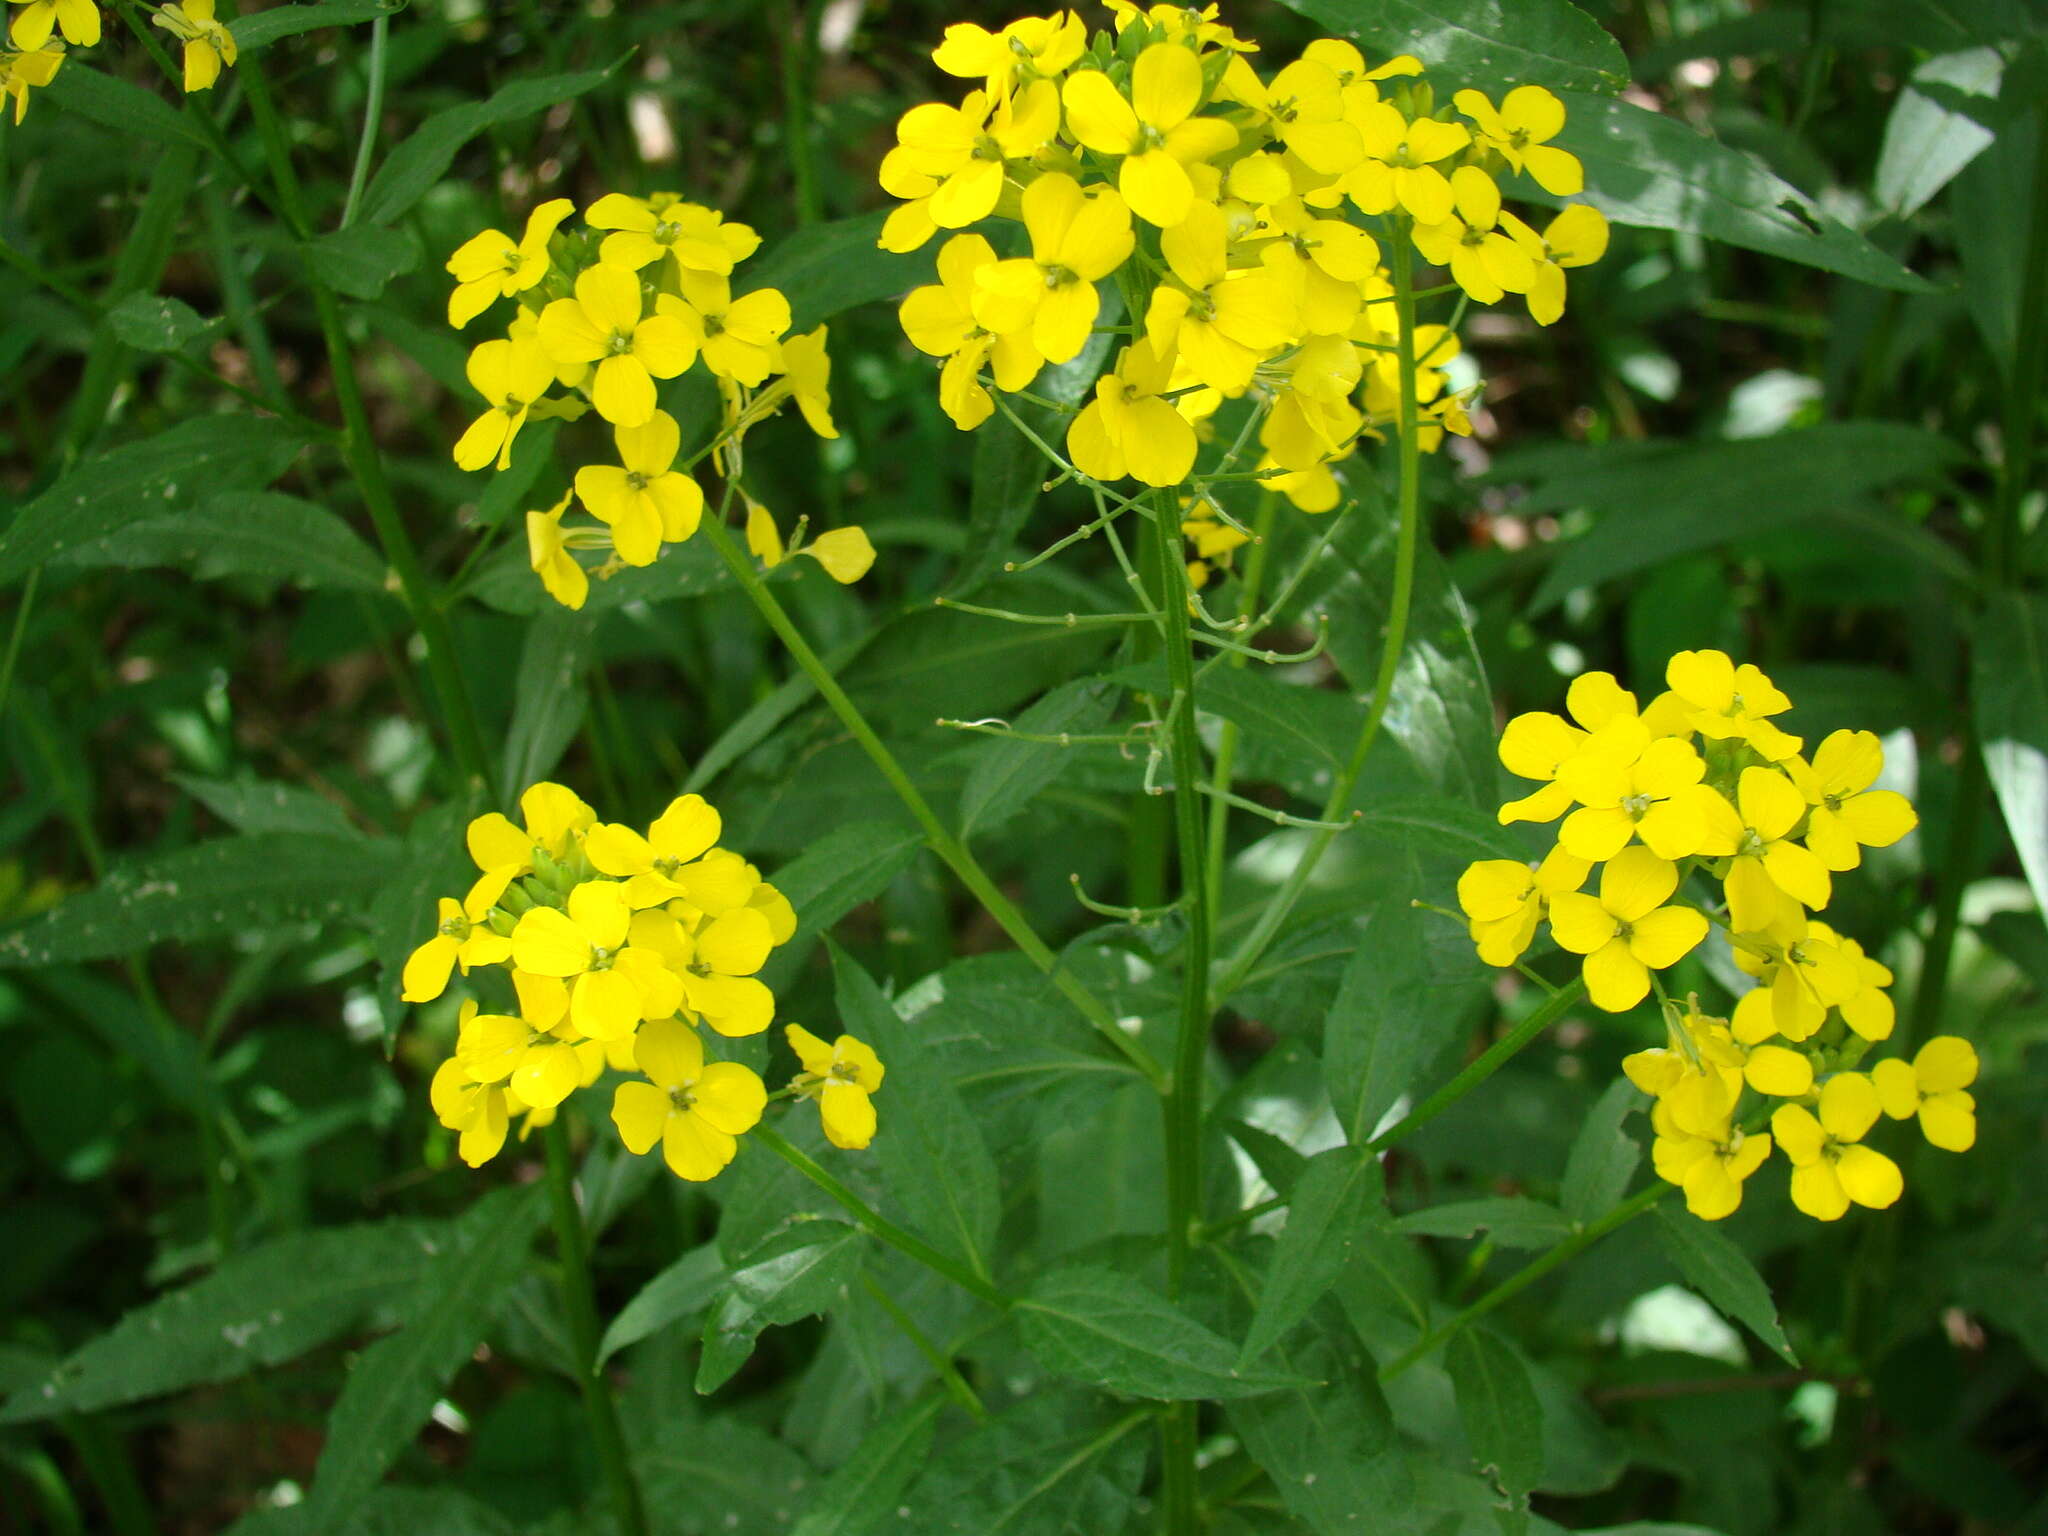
[(1525, 1277), (940, 1361), (106, 1463), (373, 108), (1281, 903), (1226, 745), (951, 851), (797, 34), (579, 1298), (876, 1224), (14, 636)]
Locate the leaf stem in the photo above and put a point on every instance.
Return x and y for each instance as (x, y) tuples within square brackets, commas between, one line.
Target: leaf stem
[(579, 1298), (373, 108), (940, 1361), (876, 1224)]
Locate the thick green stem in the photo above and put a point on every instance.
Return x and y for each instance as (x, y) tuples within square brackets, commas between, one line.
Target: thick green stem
[(876, 1224), (1281, 903), (951, 851), (579, 1298), (1525, 1277)]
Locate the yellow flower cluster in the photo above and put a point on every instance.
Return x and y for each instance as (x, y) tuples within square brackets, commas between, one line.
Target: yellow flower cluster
[(643, 293), (35, 51), (1702, 783), (619, 946), (1160, 156)]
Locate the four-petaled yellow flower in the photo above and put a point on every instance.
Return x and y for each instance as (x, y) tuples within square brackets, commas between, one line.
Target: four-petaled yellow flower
[(1076, 240), (1766, 865), (1847, 815), (27, 71), (668, 862), (1400, 168), (1155, 131), (1503, 900), (511, 376), (696, 238), (1519, 130), (492, 265), (587, 942), (78, 20), (1484, 260), (1934, 1086), (1830, 1165), (1730, 703), (696, 1109), (1025, 50), (962, 149), (547, 549), (209, 46), (1220, 324), (604, 325), (842, 1076), (1626, 931), (939, 319), (462, 934), (1128, 429), (1577, 237), (644, 499), (741, 337)]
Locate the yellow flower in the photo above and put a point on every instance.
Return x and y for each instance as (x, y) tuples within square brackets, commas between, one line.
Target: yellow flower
[(1779, 1071), (1312, 419), (79, 20), (555, 817), (741, 336), (588, 943), (1730, 703), (461, 935), (963, 149), (1830, 1167), (1933, 1086), (807, 369), (719, 962), (1483, 260), (1537, 745), (547, 548), (1519, 130), (697, 1110), (845, 553), (1503, 899), (1802, 971), (841, 1076), (1221, 325), (1577, 237), (208, 45), (645, 500), (1076, 240), (1400, 164), (698, 239), (479, 1112), (1155, 131), (1302, 107), (940, 322), (664, 864), (539, 1066), (603, 325), (492, 265), (1311, 490), (1755, 834), (1213, 539), (1626, 932), (1128, 429), (31, 70), (1710, 1168), (1868, 1008), (511, 376), (1327, 260), (1847, 815), (1025, 50)]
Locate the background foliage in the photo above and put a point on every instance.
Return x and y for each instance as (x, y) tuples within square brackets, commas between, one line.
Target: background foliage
[(1793, 414)]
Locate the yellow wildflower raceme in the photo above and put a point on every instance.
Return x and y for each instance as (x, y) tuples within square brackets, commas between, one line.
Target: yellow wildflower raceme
[(940, 321), (1077, 239), (644, 500), (1730, 703), (1934, 1087), (26, 71), (1847, 815), (78, 20), (492, 265), (1657, 797), (644, 231), (1519, 130), (1830, 1166), (696, 1109), (1219, 323), (741, 337), (1155, 131), (963, 149), (1626, 931), (1755, 834), (842, 1077), (1128, 429), (462, 935), (1503, 900), (1577, 237), (1400, 168), (511, 376), (209, 46), (604, 325), (1483, 259)]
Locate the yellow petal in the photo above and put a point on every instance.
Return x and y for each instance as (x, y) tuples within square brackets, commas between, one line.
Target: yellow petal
[(640, 1111), (1944, 1064), (732, 1005), (729, 1097), (1636, 882), (616, 849), (604, 1005), (735, 944), (425, 976), (1166, 85), (845, 553), (1869, 1177), (1097, 114), (1156, 186), (1778, 1071), (546, 1075), (814, 1053), (669, 1051), (848, 1115), (1848, 1106), (547, 943), (694, 1149), (1949, 1121), (1666, 936), (1616, 979)]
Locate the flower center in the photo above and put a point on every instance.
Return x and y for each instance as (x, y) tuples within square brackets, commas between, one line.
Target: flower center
[(1057, 276), (638, 482), (455, 928), (1751, 846), (714, 325), (666, 233), (621, 342), (986, 148), (681, 1097), (1637, 806)]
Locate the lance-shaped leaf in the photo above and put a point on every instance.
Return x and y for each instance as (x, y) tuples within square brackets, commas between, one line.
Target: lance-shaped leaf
[(1339, 1192)]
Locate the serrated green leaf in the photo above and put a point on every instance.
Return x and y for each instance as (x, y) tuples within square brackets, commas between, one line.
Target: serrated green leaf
[(259, 1308), (1331, 1451), (835, 266), (255, 805), (1005, 775), (2010, 691), (1484, 43), (232, 886), (720, 1476), (243, 533), (1603, 1157), (1513, 1221), (362, 259), (1104, 1328), (549, 694), (686, 1286), (936, 1165), (156, 322), (396, 1381), (800, 1271), (423, 156), (167, 473), (1722, 1273), (863, 1493), (1053, 1464), (1497, 1405), (1278, 1163), (275, 22), (140, 114), (1338, 1192)]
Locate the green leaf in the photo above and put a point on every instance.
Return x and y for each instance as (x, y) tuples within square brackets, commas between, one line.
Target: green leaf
[(140, 116), (231, 886), (1104, 1328), (265, 27), (1052, 1464), (1658, 500), (1497, 1404), (1491, 44), (387, 1511), (424, 156), (166, 473), (835, 874), (1927, 141), (549, 694), (935, 1163), (2010, 687), (1992, 207), (836, 266), (257, 805), (1004, 776), (259, 1308), (1278, 1163), (1331, 1451), (1653, 171), (1603, 1156), (686, 1286), (1722, 1273), (864, 1492), (798, 1272), (396, 1381), (1514, 1221), (717, 1477), (155, 322), (1433, 825), (360, 260), (1338, 1192), (243, 533)]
